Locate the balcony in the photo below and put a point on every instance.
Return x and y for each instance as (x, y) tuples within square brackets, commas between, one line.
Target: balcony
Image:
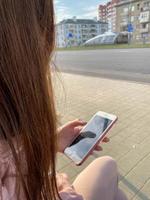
[(144, 30), (146, 8), (93, 31), (144, 17), (93, 26), (84, 27)]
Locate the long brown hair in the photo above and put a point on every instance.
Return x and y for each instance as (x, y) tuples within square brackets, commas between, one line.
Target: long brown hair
[(26, 93)]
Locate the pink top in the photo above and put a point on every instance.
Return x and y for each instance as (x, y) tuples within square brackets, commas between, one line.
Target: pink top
[(8, 178)]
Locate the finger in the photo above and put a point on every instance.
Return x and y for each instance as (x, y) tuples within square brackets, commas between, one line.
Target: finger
[(106, 139), (78, 129), (78, 122), (98, 148)]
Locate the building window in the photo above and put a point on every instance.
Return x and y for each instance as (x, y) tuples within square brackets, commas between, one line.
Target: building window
[(124, 28), (144, 17), (146, 5), (125, 10), (144, 26), (84, 26), (93, 26), (138, 6), (132, 8), (132, 18)]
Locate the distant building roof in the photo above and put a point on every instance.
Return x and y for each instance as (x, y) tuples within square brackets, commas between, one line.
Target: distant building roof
[(101, 6), (123, 2), (81, 21)]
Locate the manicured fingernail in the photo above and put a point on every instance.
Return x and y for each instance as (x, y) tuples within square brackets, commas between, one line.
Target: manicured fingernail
[(81, 120)]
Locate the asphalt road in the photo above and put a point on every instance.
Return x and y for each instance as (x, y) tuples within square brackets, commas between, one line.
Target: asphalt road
[(125, 64)]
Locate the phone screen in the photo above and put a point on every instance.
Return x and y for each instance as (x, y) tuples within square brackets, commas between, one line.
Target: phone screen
[(88, 137)]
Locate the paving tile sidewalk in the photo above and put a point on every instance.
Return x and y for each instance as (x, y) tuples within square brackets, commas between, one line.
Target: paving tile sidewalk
[(130, 138)]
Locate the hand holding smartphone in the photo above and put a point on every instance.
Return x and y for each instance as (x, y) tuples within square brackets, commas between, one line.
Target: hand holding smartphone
[(90, 136)]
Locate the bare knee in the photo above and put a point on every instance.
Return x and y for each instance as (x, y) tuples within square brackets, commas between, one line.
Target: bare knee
[(108, 168), (107, 161)]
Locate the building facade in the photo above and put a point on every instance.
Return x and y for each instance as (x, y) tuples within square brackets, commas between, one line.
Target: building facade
[(75, 32), (102, 13), (133, 16), (107, 13)]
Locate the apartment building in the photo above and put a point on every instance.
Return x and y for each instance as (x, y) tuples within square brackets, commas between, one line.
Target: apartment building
[(74, 32), (102, 13), (134, 16), (107, 13)]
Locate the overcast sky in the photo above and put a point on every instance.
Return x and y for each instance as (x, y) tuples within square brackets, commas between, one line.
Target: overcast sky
[(80, 8)]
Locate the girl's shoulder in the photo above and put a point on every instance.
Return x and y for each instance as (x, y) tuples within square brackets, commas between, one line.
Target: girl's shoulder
[(7, 162)]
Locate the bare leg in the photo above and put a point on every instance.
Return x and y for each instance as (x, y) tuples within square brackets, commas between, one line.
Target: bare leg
[(99, 181)]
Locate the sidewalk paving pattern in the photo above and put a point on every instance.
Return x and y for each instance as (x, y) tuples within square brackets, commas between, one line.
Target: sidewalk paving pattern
[(82, 97)]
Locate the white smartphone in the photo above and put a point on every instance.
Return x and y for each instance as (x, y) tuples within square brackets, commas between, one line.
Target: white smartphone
[(90, 136)]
